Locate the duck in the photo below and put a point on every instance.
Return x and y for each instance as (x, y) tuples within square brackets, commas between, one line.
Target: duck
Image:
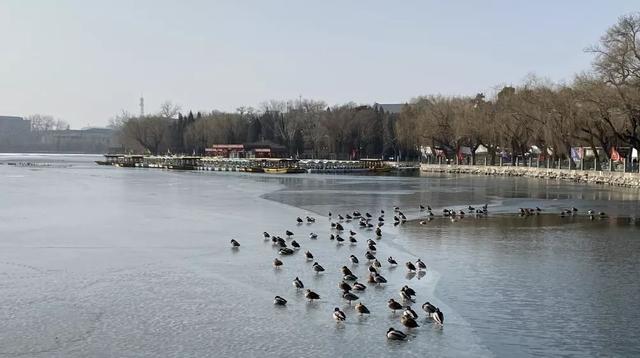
[(339, 239), (313, 236), (410, 291), (377, 263), (353, 240), (378, 232), (340, 217), (266, 235), (393, 305), (350, 277), (286, 251), (234, 243), (311, 219), (372, 269), (299, 220), (371, 242), (348, 217), (422, 207), (362, 309), (349, 296), (338, 315), (354, 260), (279, 301), (409, 322), (409, 312), (339, 227), (371, 279), (309, 255), (352, 233), (369, 256), (295, 244), (297, 283), (428, 308), (392, 261), (421, 265), (357, 286), (317, 268), (277, 263), (345, 270), (345, 287), (310, 295), (406, 297), (410, 266), (288, 233), (379, 279), (438, 316), (396, 335), (332, 237)]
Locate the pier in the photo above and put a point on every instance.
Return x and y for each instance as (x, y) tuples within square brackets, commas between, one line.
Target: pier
[(255, 165)]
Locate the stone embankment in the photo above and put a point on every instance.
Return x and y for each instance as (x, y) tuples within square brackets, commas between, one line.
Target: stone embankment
[(631, 180)]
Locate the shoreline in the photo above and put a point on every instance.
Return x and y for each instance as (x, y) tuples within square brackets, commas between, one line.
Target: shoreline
[(628, 180)]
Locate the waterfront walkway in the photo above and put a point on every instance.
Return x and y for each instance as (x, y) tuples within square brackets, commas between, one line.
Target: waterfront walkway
[(614, 178)]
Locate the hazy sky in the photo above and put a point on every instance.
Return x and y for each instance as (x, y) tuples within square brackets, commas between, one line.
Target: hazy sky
[(84, 61)]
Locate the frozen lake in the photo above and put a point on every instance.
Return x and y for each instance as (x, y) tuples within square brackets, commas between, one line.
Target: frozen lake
[(103, 261)]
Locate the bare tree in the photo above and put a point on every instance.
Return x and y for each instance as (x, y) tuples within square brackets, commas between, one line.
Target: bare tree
[(42, 122), (149, 132), (617, 62), (169, 110)]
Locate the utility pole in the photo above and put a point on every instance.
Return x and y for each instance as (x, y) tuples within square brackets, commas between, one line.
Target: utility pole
[(141, 106)]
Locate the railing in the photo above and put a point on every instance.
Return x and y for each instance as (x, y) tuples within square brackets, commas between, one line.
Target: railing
[(588, 164)]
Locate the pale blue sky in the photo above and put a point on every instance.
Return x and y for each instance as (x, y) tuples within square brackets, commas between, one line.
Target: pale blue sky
[(83, 61)]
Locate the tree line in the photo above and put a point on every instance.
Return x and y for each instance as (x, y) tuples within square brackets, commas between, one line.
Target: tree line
[(305, 127), (599, 108)]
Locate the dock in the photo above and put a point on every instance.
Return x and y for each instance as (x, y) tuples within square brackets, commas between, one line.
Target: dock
[(251, 165)]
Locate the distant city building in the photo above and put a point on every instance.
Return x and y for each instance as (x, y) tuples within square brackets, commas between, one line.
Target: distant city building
[(16, 136), (91, 140), (15, 133)]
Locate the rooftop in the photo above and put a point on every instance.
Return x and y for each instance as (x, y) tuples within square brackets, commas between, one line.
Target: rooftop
[(390, 107)]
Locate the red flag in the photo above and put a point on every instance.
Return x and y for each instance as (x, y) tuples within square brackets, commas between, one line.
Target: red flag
[(615, 156)]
